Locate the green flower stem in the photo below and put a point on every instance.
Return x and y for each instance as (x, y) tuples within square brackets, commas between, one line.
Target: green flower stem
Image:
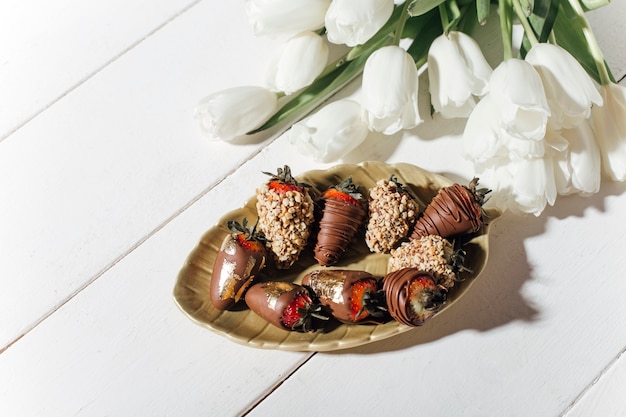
[(443, 14), (523, 18), (506, 28), (334, 65), (594, 47), (403, 17)]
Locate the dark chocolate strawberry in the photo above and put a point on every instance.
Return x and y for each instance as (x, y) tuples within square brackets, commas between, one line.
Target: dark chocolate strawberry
[(286, 305), (455, 210), (342, 216), (351, 296), (412, 296), (239, 260)]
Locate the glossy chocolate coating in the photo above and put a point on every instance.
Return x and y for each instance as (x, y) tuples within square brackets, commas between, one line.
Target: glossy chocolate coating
[(452, 211), (338, 226), (270, 299), (233, 271), (397, 287), (333, 287)]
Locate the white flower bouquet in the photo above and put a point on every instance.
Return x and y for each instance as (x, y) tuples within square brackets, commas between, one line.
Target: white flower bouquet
[(547, 121)]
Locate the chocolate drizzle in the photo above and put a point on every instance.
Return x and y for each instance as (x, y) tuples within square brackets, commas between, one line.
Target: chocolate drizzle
[(338, 226), (401, 306), (454, 210)]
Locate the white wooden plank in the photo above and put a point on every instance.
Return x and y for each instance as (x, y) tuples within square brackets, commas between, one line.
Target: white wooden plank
[(48, 48), (101, 169), (606, 396), (122, 347)]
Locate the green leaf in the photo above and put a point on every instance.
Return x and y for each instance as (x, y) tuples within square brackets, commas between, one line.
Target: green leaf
[(542, 21), (429, 28), (420, 7), (303, 102), (453, 15), (569, 35), (482, 10)]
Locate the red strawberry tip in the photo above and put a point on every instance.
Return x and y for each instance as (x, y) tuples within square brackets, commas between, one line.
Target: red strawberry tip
[(283, 176), (373, 303), (351, 192), (301, 314)]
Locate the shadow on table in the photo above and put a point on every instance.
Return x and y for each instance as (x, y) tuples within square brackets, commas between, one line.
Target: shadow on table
[(495, 299)]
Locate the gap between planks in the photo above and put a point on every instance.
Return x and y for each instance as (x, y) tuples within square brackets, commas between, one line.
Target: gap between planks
[(274, 387), (595, 380), (132, 248)]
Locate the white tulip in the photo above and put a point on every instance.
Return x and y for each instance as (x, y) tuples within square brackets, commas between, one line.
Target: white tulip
[(285, 17), (330, 133), (519, 95), (609, 122), (481, 137), (297, 63), (354, 22), (569, 89), (533, 185), (495, 174), (390, 88), (578, 167), (234, 112), (457, 72)]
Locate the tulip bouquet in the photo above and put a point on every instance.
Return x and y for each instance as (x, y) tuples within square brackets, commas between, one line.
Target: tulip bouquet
[(547, 121)]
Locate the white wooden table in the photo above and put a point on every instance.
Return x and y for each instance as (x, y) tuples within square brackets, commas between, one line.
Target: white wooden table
[(106, 185)]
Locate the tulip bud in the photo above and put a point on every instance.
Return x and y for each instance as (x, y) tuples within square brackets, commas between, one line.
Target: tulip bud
[(390, 88), (297, 63), (285, 17), (519, 95), (234, 112), (330, 133), (457, 71), (569, 89), (354, 22), (609, 123)]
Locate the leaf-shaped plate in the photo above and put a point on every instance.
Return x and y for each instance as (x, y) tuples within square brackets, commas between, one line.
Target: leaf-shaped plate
[(191, 291)]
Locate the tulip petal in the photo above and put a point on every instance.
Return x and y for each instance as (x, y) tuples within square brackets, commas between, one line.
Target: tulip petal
[(297, 63), (354, 22), (234, 112), (457, 71), (569, 89), (518, 92), (285, 17), (390, 91), (609, 122), (331, 133)]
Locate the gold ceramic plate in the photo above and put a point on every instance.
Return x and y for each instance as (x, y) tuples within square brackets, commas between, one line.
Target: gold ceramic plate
[(191, 291)]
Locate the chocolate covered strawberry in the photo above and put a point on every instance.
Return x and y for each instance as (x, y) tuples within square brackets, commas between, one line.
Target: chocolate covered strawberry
[(240, 258), (286, 212), (285, 305), (351, 296), (455, 210), (412, 296), (392, 212), (342, 216)]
